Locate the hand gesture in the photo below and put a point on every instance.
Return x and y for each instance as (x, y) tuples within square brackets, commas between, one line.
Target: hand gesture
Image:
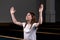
[(12, 10), (41, 8)]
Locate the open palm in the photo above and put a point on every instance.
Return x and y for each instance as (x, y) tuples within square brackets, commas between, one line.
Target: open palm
[(12, 10), (41, 8)]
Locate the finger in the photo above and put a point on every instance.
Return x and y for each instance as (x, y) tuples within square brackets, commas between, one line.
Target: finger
[(41, 6), (12, 8)]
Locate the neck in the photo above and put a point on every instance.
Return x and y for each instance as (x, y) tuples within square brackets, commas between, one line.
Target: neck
[(28, 22)]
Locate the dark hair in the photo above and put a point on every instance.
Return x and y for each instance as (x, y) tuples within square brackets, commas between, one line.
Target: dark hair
[(33, 19)]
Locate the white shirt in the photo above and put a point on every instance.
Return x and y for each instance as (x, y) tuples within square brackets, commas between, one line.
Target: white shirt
[(29, 33)]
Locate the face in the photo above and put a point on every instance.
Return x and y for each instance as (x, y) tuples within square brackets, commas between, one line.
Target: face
[(28, 17)]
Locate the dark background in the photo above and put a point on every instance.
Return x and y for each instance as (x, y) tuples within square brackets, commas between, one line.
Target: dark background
[(21, 6), (24, 6), (57, 8)]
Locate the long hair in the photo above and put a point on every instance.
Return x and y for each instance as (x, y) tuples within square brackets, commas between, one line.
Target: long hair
[(33, 19)]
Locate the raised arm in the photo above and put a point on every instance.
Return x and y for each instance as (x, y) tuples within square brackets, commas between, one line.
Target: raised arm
[(40, 14), (12, 11)]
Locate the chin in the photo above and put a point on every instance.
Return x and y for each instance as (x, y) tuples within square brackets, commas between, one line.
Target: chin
[(27, 20)]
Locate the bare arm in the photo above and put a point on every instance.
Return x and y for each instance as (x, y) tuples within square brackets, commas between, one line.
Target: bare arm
[(40, 15), (12, 11)]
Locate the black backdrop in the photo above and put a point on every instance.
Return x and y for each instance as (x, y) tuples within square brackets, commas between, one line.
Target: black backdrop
[(57, 8), (21, 6)]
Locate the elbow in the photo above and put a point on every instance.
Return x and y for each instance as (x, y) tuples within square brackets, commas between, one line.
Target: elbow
[(14, 22), (40, 22)]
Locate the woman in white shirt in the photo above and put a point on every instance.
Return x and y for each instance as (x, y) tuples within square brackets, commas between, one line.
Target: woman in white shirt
[(30, 25)]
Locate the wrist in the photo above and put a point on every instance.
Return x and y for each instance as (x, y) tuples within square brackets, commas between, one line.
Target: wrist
[(12, 13), (40, 12)]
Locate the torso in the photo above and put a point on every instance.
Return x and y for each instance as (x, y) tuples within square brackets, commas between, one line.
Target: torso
[(29, 33)]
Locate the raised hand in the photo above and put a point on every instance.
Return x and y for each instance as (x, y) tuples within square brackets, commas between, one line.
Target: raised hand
[(41, 8), (12, 10)]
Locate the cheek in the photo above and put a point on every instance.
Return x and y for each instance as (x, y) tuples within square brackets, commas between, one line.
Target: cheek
[(27, 17), (30, 17)]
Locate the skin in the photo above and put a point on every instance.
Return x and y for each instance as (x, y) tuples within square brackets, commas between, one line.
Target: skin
[(28, 16)]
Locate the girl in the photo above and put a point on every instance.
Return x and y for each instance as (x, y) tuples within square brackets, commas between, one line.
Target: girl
[(30, 25)]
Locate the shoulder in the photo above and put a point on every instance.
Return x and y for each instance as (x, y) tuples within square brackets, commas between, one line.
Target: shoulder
[(35, 24), (23, 23)]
